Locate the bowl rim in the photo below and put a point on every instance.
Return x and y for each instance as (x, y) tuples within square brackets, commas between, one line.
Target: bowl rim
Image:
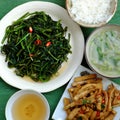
[(86, 54), (20, 93), (81, 23)]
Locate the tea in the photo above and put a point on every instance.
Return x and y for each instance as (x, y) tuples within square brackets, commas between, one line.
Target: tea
[(29, 107)]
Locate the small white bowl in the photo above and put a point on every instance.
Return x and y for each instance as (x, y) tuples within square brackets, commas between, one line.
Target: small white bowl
[(24, 102), (86, 13), (102, 51)]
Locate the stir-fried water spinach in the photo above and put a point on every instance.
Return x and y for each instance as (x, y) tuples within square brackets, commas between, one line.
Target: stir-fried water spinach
[(36, 46)]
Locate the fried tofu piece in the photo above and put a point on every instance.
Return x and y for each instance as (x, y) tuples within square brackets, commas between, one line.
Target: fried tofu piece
[(116, 99), (111, 115), (73, 113), (111, 89), (85, 77)]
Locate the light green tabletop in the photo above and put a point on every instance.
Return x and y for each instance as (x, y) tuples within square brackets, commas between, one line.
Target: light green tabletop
[(53, 97)]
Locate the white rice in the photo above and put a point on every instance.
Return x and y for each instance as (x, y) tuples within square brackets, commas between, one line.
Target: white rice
[(91, 11)]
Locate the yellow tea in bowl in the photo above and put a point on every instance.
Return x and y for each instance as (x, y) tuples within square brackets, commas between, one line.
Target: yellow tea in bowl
[(27, 105)]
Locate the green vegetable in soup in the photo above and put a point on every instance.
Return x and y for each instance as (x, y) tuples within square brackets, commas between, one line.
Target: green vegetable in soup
[(105, 52), (36, 46)]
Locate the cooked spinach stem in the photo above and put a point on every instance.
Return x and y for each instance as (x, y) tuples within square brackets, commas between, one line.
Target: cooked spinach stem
[(27, 52), (24, 38), (52, 56)]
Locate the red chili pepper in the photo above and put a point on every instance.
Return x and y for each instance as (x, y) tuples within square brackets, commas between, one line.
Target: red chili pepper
[(82, 111), (118, 97), (98, 114), (30, 30), (31, 55), (103, 101), (38, 42), (48, 44)]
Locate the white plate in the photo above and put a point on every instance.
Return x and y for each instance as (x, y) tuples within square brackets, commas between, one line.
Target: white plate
[(67, 69), (59, 113)]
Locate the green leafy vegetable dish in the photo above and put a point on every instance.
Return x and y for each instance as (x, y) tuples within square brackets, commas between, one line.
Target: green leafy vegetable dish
[(36, 46)]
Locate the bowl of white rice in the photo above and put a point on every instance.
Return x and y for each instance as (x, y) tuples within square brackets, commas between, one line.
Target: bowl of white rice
[(91, 13)]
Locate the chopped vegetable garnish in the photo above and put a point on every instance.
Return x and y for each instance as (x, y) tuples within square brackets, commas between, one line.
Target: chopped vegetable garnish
[(48, 44), (97, 113), (30, 30), (38, 42)]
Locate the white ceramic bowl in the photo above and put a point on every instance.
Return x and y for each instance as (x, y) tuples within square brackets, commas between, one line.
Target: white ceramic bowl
[(23, 97), (102, 51), (86, 13)]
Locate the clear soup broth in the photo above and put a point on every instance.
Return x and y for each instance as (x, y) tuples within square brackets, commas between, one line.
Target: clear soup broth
[(29, 107)]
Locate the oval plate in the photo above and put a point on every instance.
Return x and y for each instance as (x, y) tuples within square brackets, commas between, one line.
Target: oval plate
[(67, 69)]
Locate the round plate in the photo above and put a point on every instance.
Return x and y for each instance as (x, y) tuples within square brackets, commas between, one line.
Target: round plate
[(67, 69)]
